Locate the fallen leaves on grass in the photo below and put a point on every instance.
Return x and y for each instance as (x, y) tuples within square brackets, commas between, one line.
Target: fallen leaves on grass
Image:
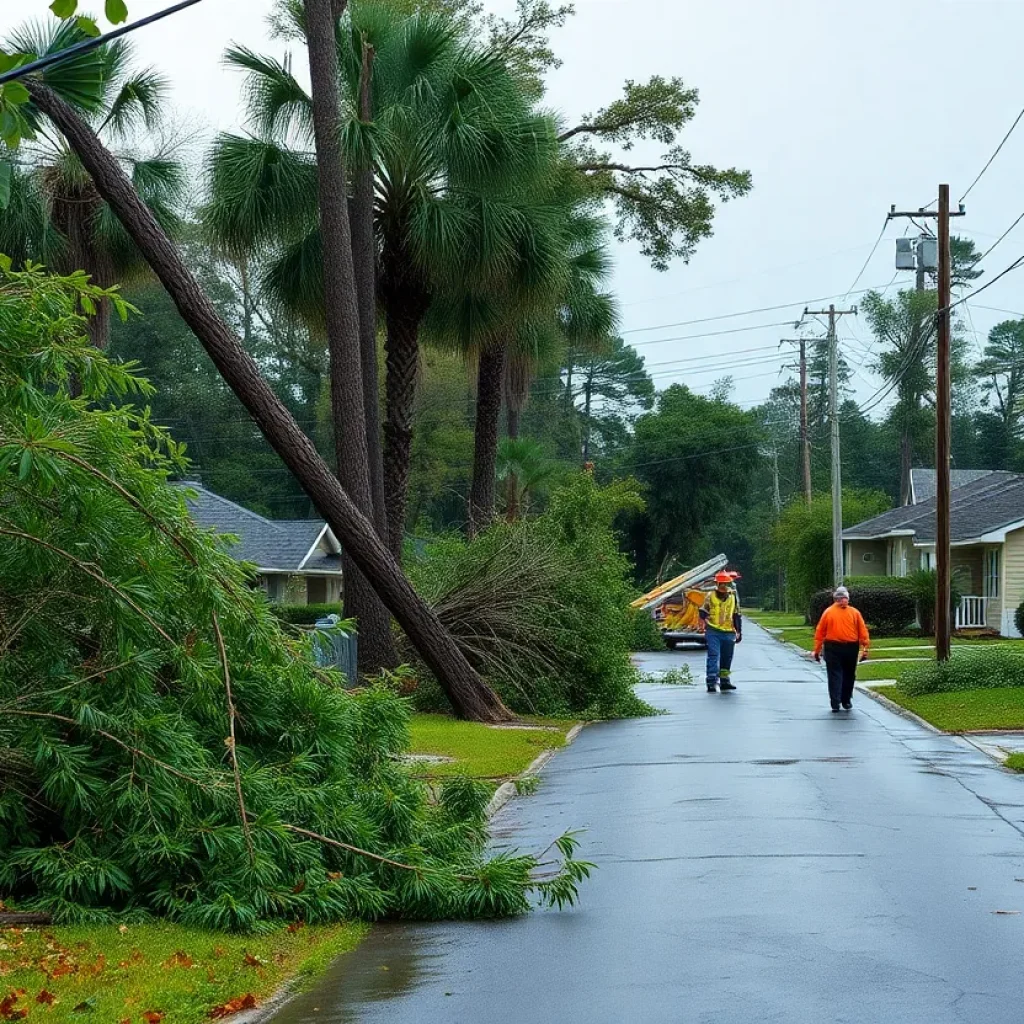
[(179, 959), (9, 1006), (46, 998), (246, 1002), (153, 1016)]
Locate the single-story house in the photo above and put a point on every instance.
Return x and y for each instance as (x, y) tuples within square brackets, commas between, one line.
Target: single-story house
[(296, 560), (987, 542)]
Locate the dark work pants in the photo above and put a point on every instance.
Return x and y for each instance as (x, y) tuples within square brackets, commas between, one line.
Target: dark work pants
[(841, 663)]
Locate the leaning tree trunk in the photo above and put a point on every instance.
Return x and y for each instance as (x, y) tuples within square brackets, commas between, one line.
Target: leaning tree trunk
[(469, 695), (364, 259), (490, 372), (405, 305), (342, 320)]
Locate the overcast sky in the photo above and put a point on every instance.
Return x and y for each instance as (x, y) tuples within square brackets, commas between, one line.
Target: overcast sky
[(838, 109)]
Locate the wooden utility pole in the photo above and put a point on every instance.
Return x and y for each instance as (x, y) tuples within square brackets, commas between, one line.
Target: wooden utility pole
[(943, 432), (943, 423), (833, 415)]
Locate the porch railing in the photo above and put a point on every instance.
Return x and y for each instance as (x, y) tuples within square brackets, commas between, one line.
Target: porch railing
[(972, 613)]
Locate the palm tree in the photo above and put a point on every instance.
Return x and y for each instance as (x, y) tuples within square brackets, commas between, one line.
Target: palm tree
[(55, 214), (451, 134), (523, 467)]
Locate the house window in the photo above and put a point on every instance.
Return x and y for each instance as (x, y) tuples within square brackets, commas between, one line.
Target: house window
[(992, 573)]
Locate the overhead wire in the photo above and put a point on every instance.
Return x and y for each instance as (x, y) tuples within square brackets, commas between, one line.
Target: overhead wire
[(988, 163)]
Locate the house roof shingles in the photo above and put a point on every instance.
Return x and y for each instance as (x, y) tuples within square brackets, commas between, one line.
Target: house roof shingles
[(987, 504), (923, 481), (274, 544)]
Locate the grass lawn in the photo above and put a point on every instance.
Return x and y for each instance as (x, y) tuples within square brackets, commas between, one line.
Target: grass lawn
[(775, 620), (1015, 762), (480, 750), (967, 710), (153, 973)]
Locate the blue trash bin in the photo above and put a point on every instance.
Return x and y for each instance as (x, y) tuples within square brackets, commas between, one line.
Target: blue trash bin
[(334, 648)]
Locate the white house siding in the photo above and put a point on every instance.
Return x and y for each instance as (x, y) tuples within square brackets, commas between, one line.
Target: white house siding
[(1013, 580)]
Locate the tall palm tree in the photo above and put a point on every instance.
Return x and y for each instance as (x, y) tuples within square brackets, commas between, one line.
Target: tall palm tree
[(55, 214), (451, 133)]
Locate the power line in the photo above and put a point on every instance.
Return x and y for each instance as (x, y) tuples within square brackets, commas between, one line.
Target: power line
[(750, 312), (860, 274), (988, 163), (1013, 266), (88, 45)]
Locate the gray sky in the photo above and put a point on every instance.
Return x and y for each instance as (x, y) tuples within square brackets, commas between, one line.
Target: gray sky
[(838, 109)]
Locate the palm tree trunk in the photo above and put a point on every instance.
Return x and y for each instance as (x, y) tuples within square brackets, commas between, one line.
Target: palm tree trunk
[(512, 417), (364, 259), (470, 696), (342, 320), (405, 305), (490, 374)]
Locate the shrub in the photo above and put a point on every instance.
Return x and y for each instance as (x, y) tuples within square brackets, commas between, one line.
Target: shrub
[(645, 633), (1018, 619), (303, 614), (969, 668), (922, 586), (887, 607), (541, 607), (118, 792)]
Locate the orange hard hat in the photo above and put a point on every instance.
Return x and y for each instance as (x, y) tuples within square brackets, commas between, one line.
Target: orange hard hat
[(724, 577)]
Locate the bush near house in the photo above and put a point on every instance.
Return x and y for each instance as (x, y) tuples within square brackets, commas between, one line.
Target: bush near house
[(1018, 619), (887, 606), (304, 614)]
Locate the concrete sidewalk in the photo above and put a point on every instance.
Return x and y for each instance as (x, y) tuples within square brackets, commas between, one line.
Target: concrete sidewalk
[(759, 859)]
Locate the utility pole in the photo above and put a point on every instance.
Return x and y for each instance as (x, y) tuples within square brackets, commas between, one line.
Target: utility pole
[(805, 442), (943, 423), (833, 415)]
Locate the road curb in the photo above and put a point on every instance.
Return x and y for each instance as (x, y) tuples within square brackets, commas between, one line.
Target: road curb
[(507, 790), (898, 709)]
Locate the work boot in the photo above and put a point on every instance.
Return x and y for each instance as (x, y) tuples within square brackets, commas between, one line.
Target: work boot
[(835, 705), (847, 705), (724, 684), (712, 687)]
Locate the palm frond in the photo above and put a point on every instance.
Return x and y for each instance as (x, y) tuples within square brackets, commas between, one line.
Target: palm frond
[(137, 104), (259, 192), (295, 278), (275, 102), (81, 80)]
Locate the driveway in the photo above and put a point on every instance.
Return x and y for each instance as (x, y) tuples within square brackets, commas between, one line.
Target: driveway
[(759, 859)]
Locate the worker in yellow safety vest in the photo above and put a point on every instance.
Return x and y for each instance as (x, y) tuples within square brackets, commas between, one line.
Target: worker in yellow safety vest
[(723, 629)]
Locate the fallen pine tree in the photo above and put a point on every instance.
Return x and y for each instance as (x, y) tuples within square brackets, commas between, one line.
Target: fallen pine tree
[(164, 747)]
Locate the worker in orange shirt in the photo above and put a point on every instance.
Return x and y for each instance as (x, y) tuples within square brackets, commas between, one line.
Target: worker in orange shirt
[(843, 638)]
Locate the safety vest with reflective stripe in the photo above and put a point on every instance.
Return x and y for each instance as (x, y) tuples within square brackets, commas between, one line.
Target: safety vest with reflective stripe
[(720, 611)]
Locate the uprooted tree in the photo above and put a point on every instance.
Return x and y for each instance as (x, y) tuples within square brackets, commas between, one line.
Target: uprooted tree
[(164, 746)]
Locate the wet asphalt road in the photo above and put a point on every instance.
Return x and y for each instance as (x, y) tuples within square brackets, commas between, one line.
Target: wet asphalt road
[(760, 859)]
